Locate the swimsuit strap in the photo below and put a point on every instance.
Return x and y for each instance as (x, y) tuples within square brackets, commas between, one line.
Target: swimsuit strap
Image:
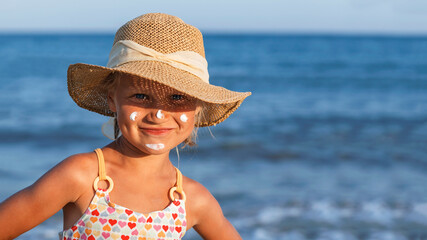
[(178, 188), (178, 180), (101, 164), (101, 172)]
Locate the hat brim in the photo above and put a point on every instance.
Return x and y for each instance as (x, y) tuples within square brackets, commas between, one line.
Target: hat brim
[(84, 81)]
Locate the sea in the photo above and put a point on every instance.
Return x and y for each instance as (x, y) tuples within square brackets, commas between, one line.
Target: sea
[(331, 145)]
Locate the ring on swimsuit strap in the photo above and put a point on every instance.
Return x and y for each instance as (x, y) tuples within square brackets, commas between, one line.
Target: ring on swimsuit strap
[(174, 190), (108, 179)]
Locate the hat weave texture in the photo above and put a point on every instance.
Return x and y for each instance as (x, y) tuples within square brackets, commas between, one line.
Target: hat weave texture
[(165, 34)]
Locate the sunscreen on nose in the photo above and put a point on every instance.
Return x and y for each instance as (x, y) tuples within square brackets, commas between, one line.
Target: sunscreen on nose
[(159, 114)]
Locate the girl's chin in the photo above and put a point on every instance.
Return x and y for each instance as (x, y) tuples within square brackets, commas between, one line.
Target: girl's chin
[(156, 146), (153, 146)]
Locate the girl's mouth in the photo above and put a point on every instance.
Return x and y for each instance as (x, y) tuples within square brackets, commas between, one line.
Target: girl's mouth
[(157, 131)]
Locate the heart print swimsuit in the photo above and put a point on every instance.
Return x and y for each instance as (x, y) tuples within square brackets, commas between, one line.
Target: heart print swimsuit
[(106, 220)]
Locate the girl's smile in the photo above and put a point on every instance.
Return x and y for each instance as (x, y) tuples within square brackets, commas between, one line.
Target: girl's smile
[(156, 131)]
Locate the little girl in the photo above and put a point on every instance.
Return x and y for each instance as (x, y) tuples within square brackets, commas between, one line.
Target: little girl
[(156, 87)]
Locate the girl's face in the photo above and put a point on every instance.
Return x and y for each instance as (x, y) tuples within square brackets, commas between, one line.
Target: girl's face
[(152, 117)]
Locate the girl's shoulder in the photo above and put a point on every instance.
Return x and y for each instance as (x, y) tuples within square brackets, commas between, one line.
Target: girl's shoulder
[(197, 190), (200, 201), (81, 168), (82, 163), (191, 186)]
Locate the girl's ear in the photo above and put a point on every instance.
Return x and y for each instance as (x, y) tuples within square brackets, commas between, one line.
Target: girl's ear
[(111, 101), (198, 109)]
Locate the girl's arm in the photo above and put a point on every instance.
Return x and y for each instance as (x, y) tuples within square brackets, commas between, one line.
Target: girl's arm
[(36, 203), (211, 223)]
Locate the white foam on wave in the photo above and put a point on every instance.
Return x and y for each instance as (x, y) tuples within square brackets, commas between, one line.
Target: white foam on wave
[(324, 211), (421, 208), (293, 235), (263, 234), (418, 214), (386, 235), (331, 234), (274, 214), (372, 212)]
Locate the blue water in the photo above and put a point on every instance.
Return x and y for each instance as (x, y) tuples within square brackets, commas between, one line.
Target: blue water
[(331, 145)]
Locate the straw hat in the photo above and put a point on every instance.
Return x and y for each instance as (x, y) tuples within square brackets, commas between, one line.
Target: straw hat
[(161, 48)]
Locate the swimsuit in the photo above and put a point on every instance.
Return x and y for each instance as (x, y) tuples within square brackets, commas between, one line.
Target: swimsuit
[(106, 220)]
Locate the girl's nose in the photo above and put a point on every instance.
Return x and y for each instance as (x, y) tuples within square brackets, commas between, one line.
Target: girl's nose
[(158, 115)]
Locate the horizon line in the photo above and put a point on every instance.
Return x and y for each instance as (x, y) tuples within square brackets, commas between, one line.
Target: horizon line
[(228, 32)]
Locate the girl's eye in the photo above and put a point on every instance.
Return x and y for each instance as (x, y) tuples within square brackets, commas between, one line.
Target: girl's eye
[(177, 97), (141, 96)]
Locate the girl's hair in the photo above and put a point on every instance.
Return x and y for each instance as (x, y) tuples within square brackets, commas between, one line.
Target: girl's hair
[(110, 83)]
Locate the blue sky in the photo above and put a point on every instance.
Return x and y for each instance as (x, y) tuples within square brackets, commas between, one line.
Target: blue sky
[(300, 16)]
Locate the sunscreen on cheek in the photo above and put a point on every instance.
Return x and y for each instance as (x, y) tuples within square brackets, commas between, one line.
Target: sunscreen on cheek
[(133, 116), (183, 118)]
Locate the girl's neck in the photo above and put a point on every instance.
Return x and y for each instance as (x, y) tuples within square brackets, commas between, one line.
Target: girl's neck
[(129, 156)]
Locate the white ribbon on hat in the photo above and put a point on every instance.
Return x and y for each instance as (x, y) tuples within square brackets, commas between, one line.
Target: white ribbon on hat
[(125, 51)]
